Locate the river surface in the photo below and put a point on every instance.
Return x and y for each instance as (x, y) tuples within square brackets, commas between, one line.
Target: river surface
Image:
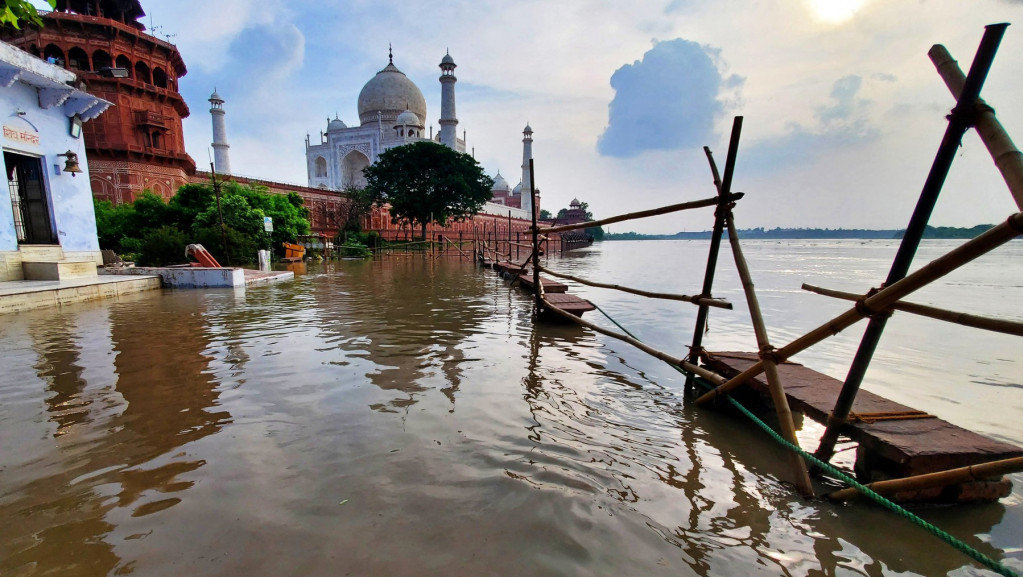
[(405, 416)]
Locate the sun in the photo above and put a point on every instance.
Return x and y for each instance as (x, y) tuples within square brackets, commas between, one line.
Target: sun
[(835, 11)]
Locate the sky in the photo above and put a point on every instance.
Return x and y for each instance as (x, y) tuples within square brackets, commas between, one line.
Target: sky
[(842, 110)]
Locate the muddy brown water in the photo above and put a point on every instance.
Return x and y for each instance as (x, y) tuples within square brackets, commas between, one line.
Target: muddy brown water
[(406, 416)]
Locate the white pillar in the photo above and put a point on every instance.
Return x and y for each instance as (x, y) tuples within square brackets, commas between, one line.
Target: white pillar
[(527, 183), (221, 159), (448, 121)]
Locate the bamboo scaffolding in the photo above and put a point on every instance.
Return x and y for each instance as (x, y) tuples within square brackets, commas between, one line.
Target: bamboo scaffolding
[(781, 403), (458, 248), (1007, 157), (979, 472), (698, 300), (722, 186), (958, 123), (644, 213), (656, 353), (972, 249), (965, 319)]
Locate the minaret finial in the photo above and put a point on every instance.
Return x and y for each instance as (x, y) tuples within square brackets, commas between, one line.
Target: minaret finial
[(390, 54)]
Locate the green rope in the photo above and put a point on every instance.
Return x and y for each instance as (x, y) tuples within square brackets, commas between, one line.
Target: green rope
[(867, 491)]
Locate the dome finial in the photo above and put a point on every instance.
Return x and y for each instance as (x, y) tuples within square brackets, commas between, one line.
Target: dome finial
[(390, 54)]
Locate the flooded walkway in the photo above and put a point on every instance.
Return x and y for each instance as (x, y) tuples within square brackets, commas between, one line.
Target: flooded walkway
[(402, 416)]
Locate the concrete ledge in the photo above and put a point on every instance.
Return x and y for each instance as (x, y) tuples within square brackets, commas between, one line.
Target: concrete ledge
[(19, 296), (188, 277)]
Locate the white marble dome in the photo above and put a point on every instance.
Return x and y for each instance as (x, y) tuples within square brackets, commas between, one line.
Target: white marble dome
[(336, 124), (390, 93), (500, 184), (408, 118)]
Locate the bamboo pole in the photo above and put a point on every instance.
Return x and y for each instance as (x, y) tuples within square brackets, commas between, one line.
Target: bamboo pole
[(969, 251), (723, 187), (645, 213), (1007, 157), (458, 248), (708, 301), (965, 319), (537, 285), (939, 479), (958, 123), (656, 353), (781, 403)]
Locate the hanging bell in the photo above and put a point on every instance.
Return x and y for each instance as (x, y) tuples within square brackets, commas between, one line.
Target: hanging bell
[(71, 164)]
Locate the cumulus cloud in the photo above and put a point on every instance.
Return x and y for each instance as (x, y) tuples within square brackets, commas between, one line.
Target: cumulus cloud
[(668, 100), (841, 122), (271, 50)]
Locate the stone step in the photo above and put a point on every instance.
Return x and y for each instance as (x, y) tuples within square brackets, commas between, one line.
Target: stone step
[(41, 252), (59, 270)]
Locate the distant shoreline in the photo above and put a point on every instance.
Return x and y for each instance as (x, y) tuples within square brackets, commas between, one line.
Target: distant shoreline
[(931, 232)]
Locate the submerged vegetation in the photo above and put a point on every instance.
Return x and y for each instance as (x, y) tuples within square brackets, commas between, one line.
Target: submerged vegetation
[(152, 232)]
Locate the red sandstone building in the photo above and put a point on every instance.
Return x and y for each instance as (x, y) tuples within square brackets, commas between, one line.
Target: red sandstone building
[(138, 144)]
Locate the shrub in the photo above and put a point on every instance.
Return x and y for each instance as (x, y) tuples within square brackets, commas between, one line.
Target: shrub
[(163, 246)]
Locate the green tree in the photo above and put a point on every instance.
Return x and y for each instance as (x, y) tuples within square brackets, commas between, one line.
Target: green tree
[(16, 12), (159, 231), (545, 214), (357, 204), (425, 182)]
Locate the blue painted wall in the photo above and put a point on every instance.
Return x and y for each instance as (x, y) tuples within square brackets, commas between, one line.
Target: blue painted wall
[(70, 197)]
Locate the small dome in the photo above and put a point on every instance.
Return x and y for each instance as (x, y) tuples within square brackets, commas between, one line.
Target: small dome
[(518, 188), (575, 202), (407, 118), (500, 184), (336, 124), (527, 129), (215, 96), (447, 60)]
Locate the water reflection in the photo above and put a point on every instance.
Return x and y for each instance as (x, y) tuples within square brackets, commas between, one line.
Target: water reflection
[(412, 315), (311, 426), (120, 438)]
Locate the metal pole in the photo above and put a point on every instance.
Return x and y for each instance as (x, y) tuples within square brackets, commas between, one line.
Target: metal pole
[(220, 214), (958, 123), (724, 188)]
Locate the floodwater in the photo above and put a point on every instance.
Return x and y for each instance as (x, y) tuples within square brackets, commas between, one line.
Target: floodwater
[(406, 416)]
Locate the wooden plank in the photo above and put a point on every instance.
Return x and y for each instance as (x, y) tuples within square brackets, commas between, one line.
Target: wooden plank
[(569, 303), (896, 447), (549, 285)]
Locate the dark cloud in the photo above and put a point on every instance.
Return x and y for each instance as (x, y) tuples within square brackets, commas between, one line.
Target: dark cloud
[(840, 123), (668, 100)]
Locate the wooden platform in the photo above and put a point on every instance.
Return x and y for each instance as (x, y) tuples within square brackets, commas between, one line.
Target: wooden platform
[(506, 266), (549, 286), (887, 448), (570, 303)]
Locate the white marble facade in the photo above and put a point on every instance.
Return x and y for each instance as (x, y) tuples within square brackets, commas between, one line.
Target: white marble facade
[(392, 112)]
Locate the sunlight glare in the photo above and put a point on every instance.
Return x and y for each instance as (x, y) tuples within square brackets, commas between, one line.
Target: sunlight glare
[(835, 11)]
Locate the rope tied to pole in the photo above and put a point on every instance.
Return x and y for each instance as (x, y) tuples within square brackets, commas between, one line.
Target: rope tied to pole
[(944, 536), (769, 353), (865, 311)]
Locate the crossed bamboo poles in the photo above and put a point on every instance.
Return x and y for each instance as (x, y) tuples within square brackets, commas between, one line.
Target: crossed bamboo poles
[(970, 111)]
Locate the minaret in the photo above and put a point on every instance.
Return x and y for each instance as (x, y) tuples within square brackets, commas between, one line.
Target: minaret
[(448, 122), (527, 153), (221, 160)]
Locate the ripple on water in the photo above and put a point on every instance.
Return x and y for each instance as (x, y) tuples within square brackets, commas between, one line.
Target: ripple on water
[(407, 416)]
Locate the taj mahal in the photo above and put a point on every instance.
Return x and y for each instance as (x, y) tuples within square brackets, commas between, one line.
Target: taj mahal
[(392, 112)]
